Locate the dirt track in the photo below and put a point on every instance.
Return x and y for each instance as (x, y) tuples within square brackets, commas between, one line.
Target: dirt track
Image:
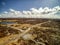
[(45, 31)]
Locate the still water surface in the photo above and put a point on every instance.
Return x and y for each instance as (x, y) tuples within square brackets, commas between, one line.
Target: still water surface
[(7, 22)]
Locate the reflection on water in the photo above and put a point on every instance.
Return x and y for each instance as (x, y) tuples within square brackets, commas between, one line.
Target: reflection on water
[(4, 22)]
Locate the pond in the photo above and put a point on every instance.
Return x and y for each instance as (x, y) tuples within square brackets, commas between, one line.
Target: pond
[(4, 22)]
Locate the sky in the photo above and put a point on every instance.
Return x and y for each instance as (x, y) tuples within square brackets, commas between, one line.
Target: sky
[(24, 6), (27, 4)]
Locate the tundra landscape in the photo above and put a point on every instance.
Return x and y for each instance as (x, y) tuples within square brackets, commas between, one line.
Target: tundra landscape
[(29, 22), (29, 31)]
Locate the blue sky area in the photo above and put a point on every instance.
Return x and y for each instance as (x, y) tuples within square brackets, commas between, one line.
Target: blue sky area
[(21, 5)]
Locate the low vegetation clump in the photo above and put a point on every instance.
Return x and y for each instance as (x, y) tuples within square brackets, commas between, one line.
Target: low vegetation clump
[(45, 33)]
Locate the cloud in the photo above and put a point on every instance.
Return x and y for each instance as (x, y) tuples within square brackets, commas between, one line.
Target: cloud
[(5, 12), (33, 13), (27, 12)]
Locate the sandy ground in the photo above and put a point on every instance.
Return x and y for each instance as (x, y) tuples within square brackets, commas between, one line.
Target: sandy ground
[(46, 33)]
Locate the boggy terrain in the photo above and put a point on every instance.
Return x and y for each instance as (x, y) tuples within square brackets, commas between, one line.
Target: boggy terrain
[(29, 32)]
